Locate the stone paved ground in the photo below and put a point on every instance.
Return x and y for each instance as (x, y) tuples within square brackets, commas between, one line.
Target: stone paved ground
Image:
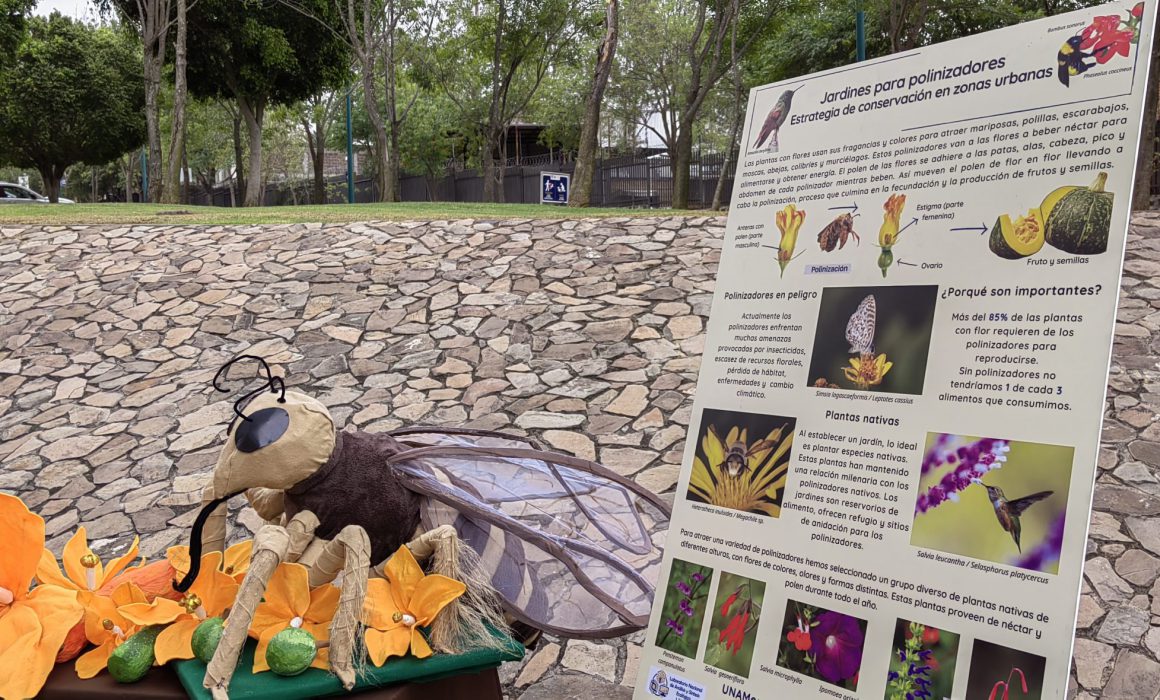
[(586, 333)]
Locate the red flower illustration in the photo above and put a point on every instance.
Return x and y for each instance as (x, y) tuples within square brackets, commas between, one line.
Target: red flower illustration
[(1112, 44), (1138, 10)]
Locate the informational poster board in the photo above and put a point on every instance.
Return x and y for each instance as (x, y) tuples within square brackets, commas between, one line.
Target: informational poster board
[(889, 471)]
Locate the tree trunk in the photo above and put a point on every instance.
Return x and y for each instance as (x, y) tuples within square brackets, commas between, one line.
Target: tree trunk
[(319, 158), (493, 146), (379, 129), (390, 159), (153, 122), (582, 177), (172, 190), (51, 177), (254, 114), (679, 158), (1146, 162), (735, 128), (493, 166), (239, 171)]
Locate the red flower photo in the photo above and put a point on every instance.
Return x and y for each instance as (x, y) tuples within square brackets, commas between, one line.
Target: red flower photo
[(733, 629)]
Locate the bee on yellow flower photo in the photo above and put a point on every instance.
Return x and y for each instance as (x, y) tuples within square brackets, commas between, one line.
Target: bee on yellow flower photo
[(742, 461)]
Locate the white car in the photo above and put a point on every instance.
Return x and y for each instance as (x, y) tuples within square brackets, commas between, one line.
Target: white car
[(11, 193)]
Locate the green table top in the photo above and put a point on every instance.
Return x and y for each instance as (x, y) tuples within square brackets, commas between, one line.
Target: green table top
[(314, 683)]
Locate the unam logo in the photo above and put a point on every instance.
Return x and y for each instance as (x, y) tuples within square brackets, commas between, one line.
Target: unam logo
[(1105, 38), (659, 685), (731, 692)]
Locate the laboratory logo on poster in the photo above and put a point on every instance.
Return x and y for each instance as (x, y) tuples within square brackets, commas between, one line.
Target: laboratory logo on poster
[(668, 685)]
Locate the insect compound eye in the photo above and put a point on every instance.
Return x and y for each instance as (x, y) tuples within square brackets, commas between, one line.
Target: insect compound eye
[(263, 428)]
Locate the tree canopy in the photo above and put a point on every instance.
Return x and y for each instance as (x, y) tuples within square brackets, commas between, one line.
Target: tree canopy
[(71, 95)]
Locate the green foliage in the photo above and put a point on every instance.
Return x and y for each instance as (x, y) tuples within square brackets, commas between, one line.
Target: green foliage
[(266, 52), (72, 95), (13, 14)]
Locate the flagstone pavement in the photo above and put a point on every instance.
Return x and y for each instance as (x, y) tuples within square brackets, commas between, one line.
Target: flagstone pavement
[(585, 333)]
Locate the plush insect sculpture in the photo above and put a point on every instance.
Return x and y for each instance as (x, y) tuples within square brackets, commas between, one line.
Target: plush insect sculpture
[(544, 540)]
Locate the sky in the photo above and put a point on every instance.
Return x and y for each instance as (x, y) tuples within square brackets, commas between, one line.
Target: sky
[(80, 9)]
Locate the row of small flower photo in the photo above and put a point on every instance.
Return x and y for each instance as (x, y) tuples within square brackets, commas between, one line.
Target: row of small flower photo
[(992, 499), (829, 645)]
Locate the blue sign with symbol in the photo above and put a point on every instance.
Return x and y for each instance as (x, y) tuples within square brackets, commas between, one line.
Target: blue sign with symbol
[(554, 188)]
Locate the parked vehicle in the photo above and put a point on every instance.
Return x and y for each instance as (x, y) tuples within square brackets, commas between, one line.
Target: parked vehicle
[(11, 193)]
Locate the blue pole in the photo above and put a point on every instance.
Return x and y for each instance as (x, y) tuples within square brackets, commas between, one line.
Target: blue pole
[(349, 154), (144, 177), (861, 30)]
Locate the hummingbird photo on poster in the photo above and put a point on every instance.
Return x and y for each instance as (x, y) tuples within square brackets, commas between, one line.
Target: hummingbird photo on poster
[(995, 499), (767, 137)]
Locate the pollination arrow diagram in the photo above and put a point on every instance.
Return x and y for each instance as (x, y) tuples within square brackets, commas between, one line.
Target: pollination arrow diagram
[(912, 223), (853, 208), (981, 229)]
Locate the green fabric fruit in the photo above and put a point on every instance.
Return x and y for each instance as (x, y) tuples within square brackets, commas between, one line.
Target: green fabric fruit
[(206, 638), (1079, 219), (131, 661), (291, 651)]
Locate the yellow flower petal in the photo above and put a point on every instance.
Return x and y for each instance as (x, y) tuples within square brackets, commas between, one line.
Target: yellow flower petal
[(382, 645), (161, 611), (432, 594), (404, 574), (48, 571), (237, 559), (32, 631), (70, 558), (21, 542), (175, 641), (419, 646), (95, 661), (264, 638), (178, 557), (379, 604), (323, 603), (118, 565)]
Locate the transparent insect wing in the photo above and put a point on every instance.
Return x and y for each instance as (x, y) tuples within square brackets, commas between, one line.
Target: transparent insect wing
[(860, 327)]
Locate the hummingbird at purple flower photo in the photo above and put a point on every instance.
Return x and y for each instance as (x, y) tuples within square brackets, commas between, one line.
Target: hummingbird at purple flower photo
[(1008, 511)]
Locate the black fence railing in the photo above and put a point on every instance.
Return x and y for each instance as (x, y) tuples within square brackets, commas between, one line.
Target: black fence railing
[(637, 181)]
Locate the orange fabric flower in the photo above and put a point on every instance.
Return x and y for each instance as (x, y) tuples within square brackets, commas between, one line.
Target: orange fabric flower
[(84, 571), (211, 594), (107, 628), (33, 622), (235, 561), (396, 607), (290, 603)]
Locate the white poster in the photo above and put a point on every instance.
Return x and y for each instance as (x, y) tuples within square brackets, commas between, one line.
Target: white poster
[(889, 471)]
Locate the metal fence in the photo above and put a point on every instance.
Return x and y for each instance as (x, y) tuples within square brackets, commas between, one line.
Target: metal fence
[(637, 181)]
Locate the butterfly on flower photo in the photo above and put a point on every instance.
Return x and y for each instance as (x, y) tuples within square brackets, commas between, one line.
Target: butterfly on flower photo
[(873, 338)]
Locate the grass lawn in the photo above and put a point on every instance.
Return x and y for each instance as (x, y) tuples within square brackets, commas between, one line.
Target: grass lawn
[(68, 214)]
